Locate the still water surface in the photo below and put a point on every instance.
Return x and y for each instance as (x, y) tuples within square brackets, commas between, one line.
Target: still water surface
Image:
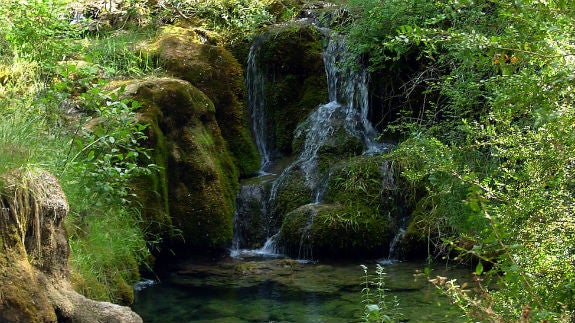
[(288, 291)]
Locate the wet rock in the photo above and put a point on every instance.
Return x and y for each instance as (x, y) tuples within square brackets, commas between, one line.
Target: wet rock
[(252, 224)]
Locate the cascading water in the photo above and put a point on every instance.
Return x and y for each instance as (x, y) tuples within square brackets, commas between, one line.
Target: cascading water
[(253, 193), (350, 88), (348, 107), (346, 113), (256, 103)]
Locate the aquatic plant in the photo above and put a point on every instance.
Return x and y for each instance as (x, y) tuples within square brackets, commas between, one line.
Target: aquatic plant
[(379, 307)]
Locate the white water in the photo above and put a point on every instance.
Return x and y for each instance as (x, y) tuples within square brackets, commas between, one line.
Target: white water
[(256, 103), (350, 88), (392, 257), (269, 250)]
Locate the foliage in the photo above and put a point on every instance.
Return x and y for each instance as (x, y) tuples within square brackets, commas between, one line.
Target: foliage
[(107, 154), (38, 29), (116, 53), (105, 262), (494, 149), (57, 116), (103, 155), (232, 17), (379, 308)]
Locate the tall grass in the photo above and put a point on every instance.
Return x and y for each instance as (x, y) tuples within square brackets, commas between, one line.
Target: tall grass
[(36, 131)]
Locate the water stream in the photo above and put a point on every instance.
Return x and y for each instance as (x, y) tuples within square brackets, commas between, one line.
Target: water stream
[(255, 83)]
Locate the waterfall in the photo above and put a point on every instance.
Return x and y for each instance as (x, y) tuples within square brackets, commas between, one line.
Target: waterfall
[(256, 103), (392, 253), (346, 113), (349, 87), (348, 107)]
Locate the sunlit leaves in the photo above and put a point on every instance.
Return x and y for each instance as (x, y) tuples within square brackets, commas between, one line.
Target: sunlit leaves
[(496, 153)]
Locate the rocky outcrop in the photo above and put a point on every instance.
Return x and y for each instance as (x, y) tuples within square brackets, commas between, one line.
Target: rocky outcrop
[(290, 56), (34, 254), (196, 187), (214, 71)]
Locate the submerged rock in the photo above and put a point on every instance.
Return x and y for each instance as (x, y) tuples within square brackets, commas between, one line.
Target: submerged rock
[(34, 254)]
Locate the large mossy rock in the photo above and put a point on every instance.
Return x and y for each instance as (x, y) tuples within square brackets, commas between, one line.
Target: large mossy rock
[(198, 180), (332, 230), (214, 71), (358, 216), (34, 255), (290, 56)]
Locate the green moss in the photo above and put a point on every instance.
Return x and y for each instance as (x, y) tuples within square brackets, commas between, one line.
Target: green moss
[(295, 79), (291, 104), (362, 180), (293, 49), (292, 192), (214, 71), (359, 216), (341, 147), (152, 190), (335, 231), (200, 176)]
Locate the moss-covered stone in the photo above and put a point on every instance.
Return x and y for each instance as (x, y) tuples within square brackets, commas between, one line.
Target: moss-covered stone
[(199, 179), (295, 84), (363, 180), (334, 230), (290, 192), (217, 73), (359, 215)]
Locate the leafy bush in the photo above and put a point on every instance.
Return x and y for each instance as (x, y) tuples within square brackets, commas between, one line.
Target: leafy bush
[(494, 150), (38, 29), (233, 18)]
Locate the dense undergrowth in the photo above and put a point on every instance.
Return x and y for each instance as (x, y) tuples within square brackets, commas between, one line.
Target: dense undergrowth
[(486, 127)]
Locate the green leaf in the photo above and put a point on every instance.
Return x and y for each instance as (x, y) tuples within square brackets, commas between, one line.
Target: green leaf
[(479, 268)]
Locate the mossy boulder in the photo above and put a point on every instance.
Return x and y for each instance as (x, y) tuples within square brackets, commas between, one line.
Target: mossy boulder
[(364, 180), (290, 56), (289, 192), (359, 215), (198, 182), (214, 71), (334, 231)]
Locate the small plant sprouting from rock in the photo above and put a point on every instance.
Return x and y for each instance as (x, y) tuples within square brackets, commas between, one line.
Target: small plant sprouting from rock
[(378, 306)]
